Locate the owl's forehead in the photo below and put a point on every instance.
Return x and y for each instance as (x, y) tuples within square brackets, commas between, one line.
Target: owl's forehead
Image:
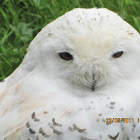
[(92, 44), (94, 32), (90, 32)]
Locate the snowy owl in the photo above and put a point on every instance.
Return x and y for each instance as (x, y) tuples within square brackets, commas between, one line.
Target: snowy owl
[(78, 81)]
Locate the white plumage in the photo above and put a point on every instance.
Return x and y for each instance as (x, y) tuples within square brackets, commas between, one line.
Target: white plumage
[(81, 69)]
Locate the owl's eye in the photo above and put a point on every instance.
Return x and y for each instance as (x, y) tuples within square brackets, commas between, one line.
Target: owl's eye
[(66, 56), (117, 54)]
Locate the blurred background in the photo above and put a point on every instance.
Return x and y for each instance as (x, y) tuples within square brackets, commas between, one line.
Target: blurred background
[(21, 20)]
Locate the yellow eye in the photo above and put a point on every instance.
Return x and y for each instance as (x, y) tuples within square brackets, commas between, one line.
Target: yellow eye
[(117, 54), (66, 56)]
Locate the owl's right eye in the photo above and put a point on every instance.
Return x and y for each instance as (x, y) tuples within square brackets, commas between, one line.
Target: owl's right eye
[(117, 54), (66, 56)]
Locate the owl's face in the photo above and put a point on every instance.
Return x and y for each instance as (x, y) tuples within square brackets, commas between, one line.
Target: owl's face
[(86, 52)]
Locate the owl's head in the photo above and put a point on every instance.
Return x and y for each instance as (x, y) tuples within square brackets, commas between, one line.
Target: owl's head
[(91, 48)]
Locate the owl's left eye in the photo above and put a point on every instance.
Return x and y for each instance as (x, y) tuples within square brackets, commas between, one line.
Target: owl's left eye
[(66, 56), (117, 54)]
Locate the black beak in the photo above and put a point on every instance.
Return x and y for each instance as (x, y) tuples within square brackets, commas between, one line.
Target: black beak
[(94, 83), (93, 87)]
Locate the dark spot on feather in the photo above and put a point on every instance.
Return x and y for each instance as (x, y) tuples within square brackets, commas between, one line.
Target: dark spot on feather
[(75, 127), (57, 132), (55, 123), (103, 120), (112, 103), (45, 112), (32, 131), (33, 115), (28, 124), (111, 107), (37, 138), (36, 120), (134, 125), (100, 114), (131, 33), (139, 137), (50, 34), (113, 137), (43, 133)]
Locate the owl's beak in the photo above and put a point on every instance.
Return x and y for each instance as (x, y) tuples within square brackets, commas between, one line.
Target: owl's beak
[(94, 83), (93, 87)]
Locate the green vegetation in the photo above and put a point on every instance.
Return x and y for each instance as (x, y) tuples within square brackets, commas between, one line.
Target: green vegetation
[(21, 20)]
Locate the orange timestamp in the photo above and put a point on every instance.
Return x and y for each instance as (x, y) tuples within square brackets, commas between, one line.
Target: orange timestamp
[(121, 120)]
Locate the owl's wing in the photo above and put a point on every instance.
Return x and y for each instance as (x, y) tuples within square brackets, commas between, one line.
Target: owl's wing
[(71, 122)]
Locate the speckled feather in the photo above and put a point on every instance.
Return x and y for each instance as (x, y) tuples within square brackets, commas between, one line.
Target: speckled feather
[(47, 98)]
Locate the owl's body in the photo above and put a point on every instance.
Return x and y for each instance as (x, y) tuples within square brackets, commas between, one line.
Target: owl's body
[(50, 98)]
